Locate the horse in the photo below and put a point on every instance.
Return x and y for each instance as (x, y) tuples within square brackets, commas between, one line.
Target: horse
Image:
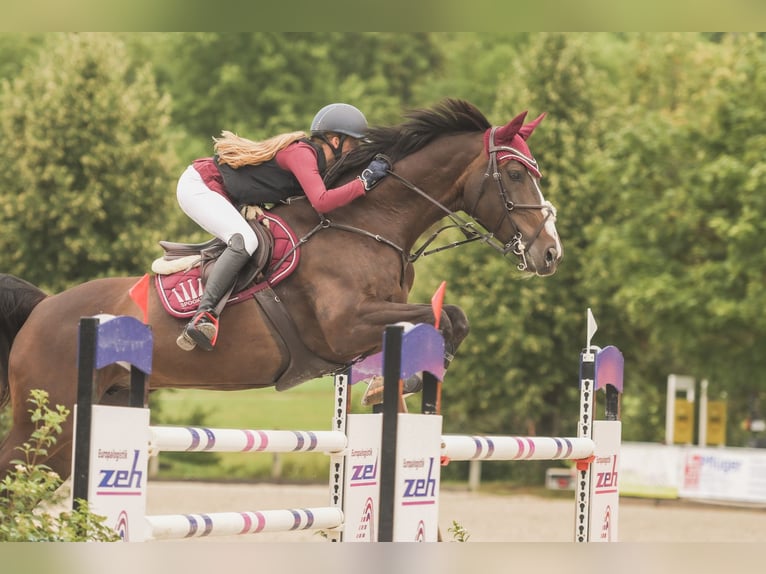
[(354, 277)]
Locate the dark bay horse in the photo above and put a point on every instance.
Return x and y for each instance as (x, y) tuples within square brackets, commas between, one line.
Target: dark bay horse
[(354, 277)]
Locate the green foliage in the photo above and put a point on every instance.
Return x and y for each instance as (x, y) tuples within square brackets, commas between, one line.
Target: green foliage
[(30, 493), (682, 252), (5, 420), (459, 533), (260, 84), (15, 50), (84, 189)]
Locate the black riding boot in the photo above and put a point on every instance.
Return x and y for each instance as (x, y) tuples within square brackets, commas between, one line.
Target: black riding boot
[(202, 330)]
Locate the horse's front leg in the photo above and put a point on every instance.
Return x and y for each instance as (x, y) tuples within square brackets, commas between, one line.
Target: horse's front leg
[(365, 332), (459, 326), (369, 327)]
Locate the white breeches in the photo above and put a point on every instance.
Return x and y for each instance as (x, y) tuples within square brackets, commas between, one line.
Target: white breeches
[(211, 211)]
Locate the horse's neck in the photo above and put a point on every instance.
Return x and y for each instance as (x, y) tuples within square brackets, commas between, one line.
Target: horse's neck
[(439, 171)]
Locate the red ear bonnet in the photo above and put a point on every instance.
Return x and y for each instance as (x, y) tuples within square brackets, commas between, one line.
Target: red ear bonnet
[(514, 135)]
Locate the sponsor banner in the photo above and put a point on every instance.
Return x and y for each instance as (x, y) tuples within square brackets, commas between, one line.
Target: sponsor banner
[(712, 473), (118, 469), (723, 474), (362, 481), (605, 475), (416, 495)]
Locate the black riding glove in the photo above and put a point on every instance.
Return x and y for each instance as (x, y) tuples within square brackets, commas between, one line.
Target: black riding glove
[(377, 170)]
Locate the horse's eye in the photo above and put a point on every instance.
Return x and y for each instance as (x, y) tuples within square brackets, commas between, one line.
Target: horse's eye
[(514, 175)]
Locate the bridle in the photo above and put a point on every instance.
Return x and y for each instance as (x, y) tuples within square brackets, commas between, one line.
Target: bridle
[(516, 245)]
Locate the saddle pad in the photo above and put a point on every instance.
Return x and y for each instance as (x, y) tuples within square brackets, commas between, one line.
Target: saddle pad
[(180, 292)]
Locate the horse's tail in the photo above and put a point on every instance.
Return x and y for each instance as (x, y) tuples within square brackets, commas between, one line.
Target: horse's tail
[(17, 299)]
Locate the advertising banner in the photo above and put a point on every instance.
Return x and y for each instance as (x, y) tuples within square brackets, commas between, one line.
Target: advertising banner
[(605, 474), (418, 459), (118, 469), (649, 470), (362, 484), (724, 474)]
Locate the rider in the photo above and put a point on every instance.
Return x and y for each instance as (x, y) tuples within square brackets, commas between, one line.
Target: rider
[(244, 172)]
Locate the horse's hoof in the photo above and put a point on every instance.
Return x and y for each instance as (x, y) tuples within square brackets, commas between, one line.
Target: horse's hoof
[(374, 393), (185, 342)]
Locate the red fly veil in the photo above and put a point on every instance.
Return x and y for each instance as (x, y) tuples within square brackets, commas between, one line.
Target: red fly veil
[(510, 141)]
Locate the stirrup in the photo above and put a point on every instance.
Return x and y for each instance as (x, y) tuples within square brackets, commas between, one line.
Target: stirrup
[(203, 330), (185, 341)]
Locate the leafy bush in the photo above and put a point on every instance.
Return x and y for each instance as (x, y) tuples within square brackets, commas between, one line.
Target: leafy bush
[(30, 493)]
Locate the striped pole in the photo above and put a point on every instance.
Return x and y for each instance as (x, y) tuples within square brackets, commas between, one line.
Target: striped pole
[(464, 447), (177, 526), (199, 439)]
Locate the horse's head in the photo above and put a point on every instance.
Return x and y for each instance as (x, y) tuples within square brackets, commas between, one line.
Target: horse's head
[(508, 201), (505, 199)]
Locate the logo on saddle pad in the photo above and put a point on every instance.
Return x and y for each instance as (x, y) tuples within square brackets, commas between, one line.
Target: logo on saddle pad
[(180, 291)]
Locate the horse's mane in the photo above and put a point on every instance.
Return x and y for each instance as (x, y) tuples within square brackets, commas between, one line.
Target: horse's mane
[(420, 127)]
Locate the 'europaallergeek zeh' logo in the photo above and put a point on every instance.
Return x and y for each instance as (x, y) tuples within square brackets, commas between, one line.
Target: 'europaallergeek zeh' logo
[(119, 481), (419, 490), (363, 474)]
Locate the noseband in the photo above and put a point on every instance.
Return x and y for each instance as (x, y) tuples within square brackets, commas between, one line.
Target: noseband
[(516, 245)]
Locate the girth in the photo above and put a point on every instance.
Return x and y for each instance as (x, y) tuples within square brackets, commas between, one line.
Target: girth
[(299, 364)]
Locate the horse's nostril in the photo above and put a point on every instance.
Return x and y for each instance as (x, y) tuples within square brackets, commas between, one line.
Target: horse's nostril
[(551, 255)]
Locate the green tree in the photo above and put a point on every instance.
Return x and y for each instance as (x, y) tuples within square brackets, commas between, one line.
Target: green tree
[(683, 252), (87, 185), (15, 50), (263, 83), (473, 66)]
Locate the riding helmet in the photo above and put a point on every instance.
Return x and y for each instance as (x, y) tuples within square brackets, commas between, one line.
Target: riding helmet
[(341, 119)]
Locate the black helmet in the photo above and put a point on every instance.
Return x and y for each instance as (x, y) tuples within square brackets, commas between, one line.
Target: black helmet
[(340, 119)]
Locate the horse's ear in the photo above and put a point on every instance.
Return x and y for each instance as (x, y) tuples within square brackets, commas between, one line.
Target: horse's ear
[(509, 130), (526, 131)]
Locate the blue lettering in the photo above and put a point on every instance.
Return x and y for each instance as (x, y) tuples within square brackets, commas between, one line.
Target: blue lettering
[(111, 478), (363, 471), (421, 487)]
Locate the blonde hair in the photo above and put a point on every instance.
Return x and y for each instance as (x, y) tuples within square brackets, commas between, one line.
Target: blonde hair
[(237, 151)]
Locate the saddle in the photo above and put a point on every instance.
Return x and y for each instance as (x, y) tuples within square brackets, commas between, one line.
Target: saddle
[(180, 274)]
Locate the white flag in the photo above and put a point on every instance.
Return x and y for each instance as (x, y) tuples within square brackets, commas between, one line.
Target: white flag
[(592, 327)]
